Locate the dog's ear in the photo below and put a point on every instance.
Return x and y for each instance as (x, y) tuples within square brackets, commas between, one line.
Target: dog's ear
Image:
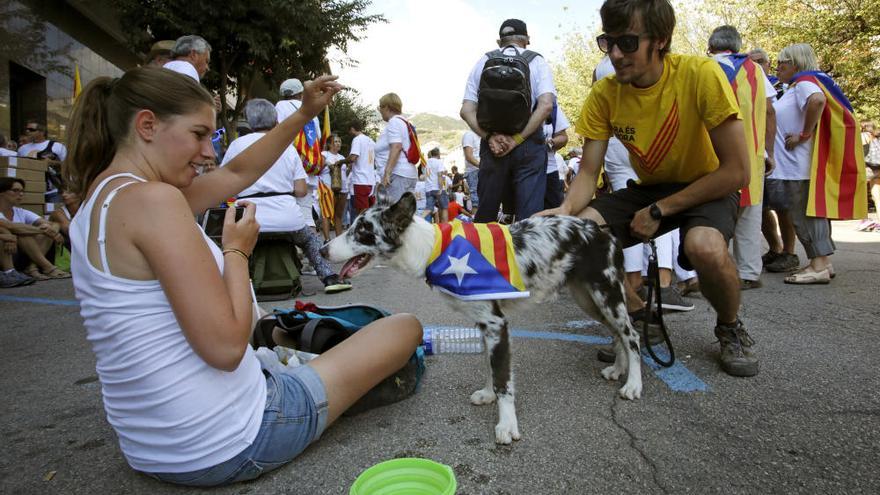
[(400, 214)]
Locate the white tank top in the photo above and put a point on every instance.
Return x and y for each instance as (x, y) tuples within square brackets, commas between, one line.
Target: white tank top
[(172, 412)]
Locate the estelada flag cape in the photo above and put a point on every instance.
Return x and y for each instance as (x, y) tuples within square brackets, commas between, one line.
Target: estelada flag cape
[(747, 82), (309, 147), (474, 261), (837, 173)]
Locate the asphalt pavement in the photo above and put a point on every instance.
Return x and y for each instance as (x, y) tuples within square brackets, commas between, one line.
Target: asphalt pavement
[(808, 423)]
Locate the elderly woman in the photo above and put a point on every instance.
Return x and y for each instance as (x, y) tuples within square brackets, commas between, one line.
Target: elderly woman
[(396, 174), (797, 114), (274, 192)]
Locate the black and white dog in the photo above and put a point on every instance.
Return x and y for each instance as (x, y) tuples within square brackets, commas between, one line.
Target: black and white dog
[(550, 252)]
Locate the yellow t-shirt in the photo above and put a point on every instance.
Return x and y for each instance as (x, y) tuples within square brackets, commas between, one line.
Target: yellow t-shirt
[(665, 127)]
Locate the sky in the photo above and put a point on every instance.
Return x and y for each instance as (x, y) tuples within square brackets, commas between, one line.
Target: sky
[(427, 48)]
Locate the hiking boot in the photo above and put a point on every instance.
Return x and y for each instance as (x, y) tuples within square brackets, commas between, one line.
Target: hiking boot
[(605, 353), (769, 257), (671, 300), (784, 263), (737, 357), (750, 284), (689, 288), (333, 284)]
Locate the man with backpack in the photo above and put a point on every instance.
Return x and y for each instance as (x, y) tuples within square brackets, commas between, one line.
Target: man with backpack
[(507, 98), (41, 147)]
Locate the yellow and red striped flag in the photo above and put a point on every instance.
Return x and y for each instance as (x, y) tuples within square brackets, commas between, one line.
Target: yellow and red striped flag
[(326, 200), (474, 261), (77, 82), (838, 188), (325, 128), (745, 79)]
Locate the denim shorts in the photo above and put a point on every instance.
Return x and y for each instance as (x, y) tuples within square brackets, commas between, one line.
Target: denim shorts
[(295, 416), (437, 198)]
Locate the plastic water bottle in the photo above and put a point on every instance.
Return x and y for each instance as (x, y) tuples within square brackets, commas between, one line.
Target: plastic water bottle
[(449, 340)]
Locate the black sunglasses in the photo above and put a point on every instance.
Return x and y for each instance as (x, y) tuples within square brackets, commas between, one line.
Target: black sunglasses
[(628, 43)]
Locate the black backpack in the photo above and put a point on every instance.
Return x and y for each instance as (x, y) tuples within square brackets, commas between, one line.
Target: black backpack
[(504, 101)]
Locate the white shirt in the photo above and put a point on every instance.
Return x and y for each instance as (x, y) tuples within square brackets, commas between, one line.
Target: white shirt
[(791, 110), (395, 132), (6, 152), (172, 412), (433, 172), (471, 140), (183, 67), (540, 77), (561, 125), (20, 215), (31, 149), (574, 164), (363, 172), (419, 191), (559, 167), (274, 213)]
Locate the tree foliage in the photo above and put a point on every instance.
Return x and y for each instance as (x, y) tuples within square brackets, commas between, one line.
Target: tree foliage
[(346, 109), (268, 40)]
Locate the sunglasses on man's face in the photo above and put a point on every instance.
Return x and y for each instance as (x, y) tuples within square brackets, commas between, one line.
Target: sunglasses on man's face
[(628, 43)]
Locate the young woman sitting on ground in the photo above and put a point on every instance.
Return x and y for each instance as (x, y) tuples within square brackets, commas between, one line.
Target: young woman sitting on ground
[(169, 314)]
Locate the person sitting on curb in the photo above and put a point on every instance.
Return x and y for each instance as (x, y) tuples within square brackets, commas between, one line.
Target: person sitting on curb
[(35, 236)]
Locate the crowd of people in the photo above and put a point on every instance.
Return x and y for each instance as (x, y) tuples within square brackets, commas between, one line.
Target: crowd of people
[(727, 150)]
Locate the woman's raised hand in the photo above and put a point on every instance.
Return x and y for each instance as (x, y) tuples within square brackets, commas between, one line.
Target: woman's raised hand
[(318, 93), (241, 235)]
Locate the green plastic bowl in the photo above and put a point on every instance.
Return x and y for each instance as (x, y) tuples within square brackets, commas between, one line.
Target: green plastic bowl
[(406, 476)]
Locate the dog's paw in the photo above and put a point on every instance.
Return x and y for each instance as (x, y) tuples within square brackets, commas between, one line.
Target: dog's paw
[(506, 433), (631, 391), (612, 373), (482, 397)]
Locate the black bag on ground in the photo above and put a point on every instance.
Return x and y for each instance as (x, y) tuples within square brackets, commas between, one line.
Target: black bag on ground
[(317, 329), (504, 101)]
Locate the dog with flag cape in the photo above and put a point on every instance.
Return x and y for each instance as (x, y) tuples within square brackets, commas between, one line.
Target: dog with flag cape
[(487, 270)]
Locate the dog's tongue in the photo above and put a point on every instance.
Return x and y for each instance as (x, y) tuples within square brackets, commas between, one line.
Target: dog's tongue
[(351, 267)]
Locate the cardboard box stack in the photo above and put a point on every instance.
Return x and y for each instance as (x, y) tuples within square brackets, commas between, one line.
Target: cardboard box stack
[(34, 174)]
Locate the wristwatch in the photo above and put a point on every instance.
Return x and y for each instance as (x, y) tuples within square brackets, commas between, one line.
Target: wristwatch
[(655, 212)]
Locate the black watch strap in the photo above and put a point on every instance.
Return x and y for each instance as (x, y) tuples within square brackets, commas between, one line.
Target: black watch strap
[(655, 212)]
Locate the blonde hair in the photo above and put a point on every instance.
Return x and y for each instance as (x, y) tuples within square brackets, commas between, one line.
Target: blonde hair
[(392, 101), (801, 55), (103, 114)]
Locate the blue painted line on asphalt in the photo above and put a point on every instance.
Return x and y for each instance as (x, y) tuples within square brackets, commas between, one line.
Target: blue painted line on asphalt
[(40, 300), (677, 377)]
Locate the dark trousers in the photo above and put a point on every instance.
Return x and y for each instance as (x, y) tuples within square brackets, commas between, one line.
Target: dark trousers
[(519, 177), (553, 194)]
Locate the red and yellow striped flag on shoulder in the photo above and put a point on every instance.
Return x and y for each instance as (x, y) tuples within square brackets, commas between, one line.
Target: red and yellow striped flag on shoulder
[(838, 188), (326, 200), (746, 79), (474, 261)]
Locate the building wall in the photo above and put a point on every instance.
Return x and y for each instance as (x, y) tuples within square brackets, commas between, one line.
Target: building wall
[(37, 53)]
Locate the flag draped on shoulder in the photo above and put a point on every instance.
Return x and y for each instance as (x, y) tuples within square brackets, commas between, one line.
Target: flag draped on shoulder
[(746, 79), (474, 262), (308, 145), (326, 200), (837, 172)]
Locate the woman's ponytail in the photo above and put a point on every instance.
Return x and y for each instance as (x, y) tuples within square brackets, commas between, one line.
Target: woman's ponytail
[(90, 144)]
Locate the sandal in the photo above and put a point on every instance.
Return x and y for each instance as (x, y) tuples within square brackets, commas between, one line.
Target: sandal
[(55, 273), (35, 274), (809, 277)]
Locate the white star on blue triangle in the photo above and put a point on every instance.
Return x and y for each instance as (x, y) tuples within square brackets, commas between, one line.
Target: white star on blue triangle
[(459, 267)]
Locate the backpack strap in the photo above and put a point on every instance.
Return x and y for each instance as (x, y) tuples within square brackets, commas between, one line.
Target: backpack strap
[(530, 55)]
